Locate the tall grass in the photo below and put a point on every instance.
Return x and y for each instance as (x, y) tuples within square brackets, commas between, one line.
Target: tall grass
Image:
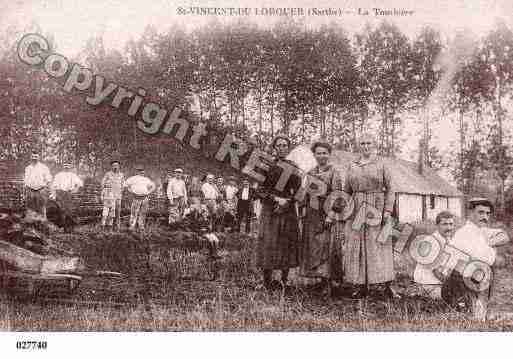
[(168, 289)]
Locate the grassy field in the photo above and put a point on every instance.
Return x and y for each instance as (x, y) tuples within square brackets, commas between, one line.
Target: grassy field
[(169, 289)]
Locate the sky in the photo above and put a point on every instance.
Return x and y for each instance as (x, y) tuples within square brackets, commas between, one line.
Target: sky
[(72, 22)]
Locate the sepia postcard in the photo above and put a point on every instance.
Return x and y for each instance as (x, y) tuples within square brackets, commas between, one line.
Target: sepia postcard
[(255, 166)]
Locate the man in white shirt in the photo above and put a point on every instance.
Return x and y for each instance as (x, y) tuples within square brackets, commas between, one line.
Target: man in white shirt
[(231, 189), (64, 185), (210, 197), (209, 189), (423, 275), (177, 195), (37, 180), (476, 241), (112, 191), (141, 187)]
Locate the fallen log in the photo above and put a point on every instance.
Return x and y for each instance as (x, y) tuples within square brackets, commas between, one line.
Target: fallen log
[(27, 261)]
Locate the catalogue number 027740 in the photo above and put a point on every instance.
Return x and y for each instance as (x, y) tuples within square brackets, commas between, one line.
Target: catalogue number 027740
[(31, 345)]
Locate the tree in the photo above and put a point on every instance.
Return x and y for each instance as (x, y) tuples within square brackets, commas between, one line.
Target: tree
[(387, 68), (426, 74)]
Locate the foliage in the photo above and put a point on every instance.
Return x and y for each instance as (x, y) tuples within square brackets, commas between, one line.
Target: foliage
[(256, 82)]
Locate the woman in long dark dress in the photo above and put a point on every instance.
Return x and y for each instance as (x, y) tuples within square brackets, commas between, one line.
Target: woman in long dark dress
[(278, 240), (321, 255)]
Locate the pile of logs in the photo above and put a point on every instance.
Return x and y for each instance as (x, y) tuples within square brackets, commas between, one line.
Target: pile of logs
[(11, 194), (25, 246)]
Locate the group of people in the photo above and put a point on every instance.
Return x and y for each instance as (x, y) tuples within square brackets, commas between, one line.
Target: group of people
[(477, 241), (209, 204), (41, 186), (139, 186), (225, 207), (291, 233), (294, 234)]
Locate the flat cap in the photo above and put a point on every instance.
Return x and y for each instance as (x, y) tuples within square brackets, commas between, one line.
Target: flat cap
[(480, 201)]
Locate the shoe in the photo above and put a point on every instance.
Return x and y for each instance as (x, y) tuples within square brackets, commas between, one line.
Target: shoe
[(359, 293)]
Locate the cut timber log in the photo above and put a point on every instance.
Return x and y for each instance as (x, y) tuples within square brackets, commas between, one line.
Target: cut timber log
[(24, 260)]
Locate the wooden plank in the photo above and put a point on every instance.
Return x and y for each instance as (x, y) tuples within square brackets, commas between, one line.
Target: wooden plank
[(50, 276)]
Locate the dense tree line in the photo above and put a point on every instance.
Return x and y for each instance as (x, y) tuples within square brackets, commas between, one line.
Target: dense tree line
[(289, 78)]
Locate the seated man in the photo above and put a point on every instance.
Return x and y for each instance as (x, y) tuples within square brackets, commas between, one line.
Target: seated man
[(477, 244), (423, 275), (196, 217)]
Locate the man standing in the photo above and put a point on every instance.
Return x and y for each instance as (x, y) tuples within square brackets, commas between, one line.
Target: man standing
[(141, 187), (221, 204), (230, 203), (210, 196), (64, 185), (230, 190), (112, 190), (37, 180), (245, 198), (177, 195), (473, 239), (220, 188), (423, 274)]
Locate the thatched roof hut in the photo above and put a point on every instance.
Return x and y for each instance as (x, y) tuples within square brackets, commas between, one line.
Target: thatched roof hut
[(420, 194)]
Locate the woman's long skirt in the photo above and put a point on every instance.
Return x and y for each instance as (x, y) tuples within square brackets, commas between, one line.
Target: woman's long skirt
[(322, 250), (367, 261), (278, 240)]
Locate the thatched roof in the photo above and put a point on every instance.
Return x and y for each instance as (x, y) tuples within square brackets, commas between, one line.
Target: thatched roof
[(405, 176)]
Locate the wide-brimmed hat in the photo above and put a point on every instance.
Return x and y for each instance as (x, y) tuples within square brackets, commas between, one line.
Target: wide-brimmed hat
[(115, 161), (178, 170)]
